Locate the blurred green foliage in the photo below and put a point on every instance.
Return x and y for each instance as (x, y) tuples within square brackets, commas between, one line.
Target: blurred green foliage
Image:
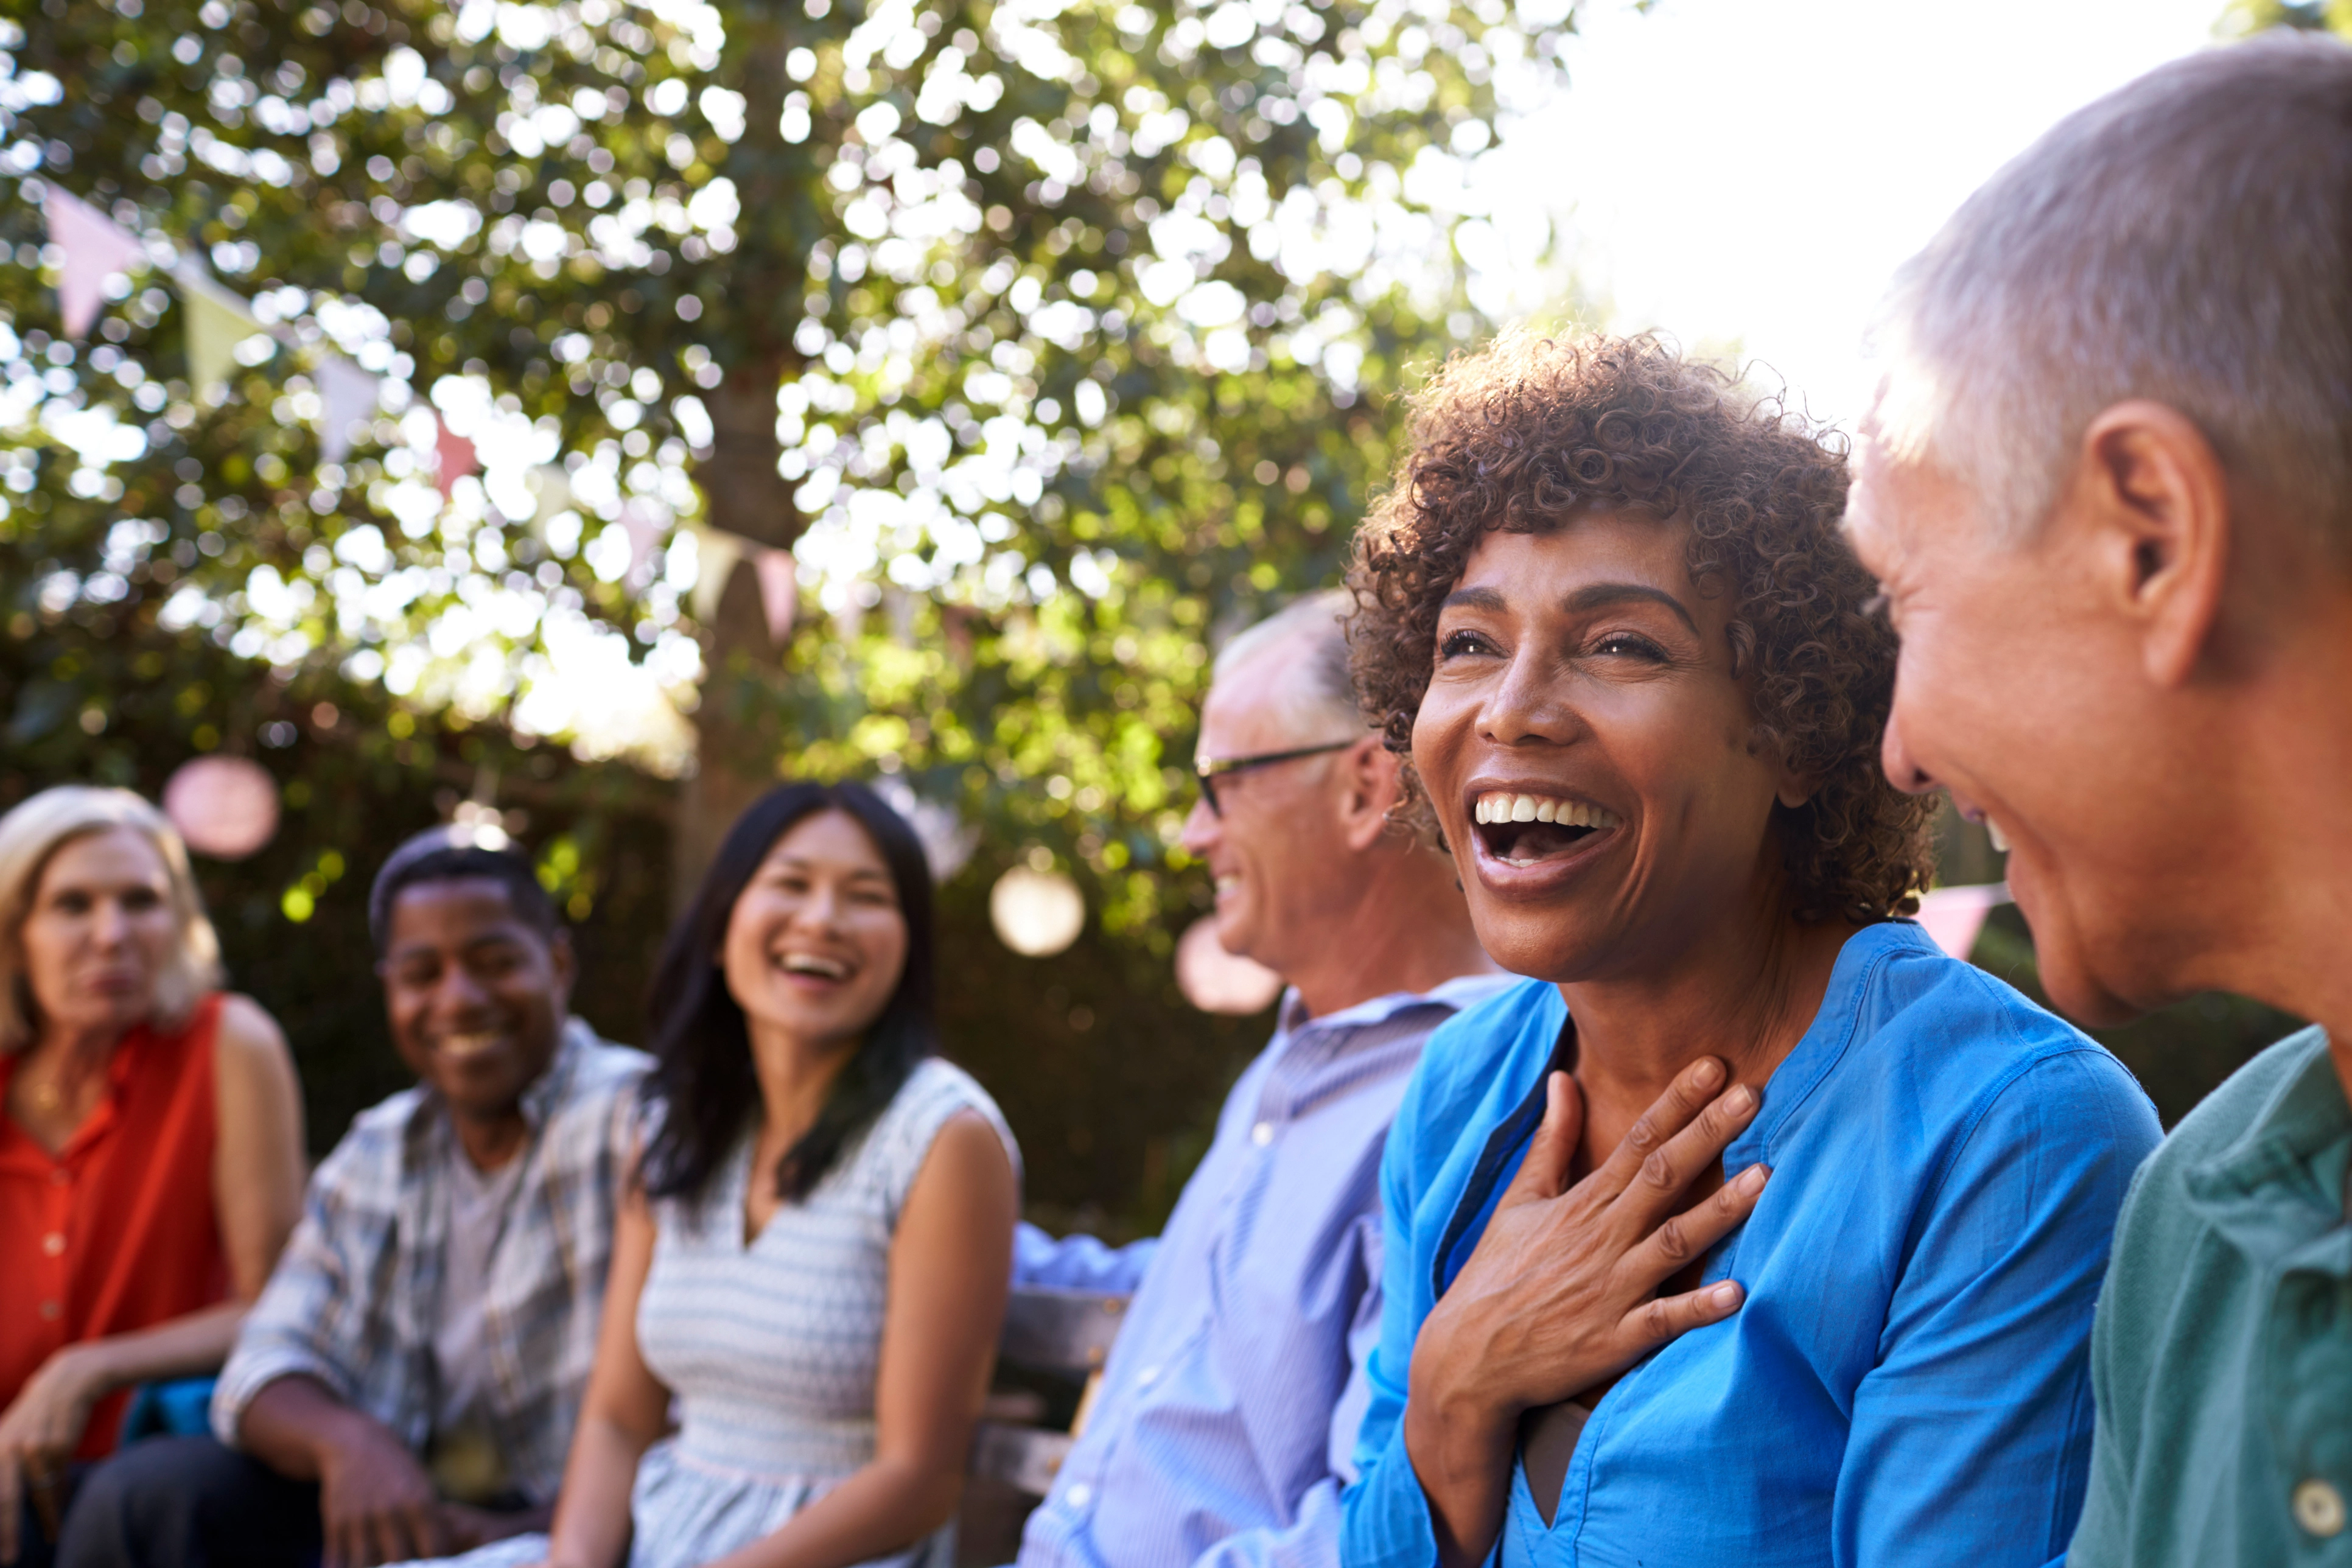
[(1041, 327), (100, 694), (1046, 334), (2311, 15)]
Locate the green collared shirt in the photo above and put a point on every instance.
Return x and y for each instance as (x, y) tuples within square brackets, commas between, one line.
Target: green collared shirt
[(2221, 1358)]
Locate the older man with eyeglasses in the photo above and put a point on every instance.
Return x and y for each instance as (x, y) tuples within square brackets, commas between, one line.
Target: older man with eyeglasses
[(1224, 1425)]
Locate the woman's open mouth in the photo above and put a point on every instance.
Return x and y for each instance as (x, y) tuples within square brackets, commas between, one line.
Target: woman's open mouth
[(819, 968), (1528, 829)]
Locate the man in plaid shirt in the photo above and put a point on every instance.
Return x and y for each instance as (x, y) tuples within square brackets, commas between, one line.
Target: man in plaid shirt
[(407, 1383)]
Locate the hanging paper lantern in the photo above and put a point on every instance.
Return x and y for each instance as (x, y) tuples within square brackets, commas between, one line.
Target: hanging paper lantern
[(225, 807), (1036, 914), (1216, 981)]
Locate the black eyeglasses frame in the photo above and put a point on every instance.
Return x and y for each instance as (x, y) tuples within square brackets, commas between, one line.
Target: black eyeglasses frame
[(1211, 769)]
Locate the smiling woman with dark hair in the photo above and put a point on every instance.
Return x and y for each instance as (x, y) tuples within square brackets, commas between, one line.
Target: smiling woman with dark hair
[(1607, 613), (814, 1260)]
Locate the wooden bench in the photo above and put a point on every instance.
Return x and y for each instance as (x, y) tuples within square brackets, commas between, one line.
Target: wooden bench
[(1063, 1335)]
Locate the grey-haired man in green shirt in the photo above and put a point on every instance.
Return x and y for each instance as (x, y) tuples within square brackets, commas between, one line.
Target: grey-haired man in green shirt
[(2108, 486)]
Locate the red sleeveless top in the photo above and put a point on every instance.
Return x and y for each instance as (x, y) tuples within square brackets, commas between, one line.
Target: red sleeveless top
[(117, 1232)]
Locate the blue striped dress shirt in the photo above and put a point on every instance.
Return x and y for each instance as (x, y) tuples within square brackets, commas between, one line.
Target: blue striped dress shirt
[(1227, 1416)]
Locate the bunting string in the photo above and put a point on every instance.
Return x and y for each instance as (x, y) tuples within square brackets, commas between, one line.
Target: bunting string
[(93, 248)]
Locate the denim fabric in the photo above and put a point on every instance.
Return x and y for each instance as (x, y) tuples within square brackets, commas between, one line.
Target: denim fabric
[(1908, 1382), (188, 1503)]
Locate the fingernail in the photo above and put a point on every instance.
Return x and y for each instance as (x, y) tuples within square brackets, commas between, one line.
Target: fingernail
[(1725, 1295), (1710, 1071), (1741, 1101), (1751, 1180)]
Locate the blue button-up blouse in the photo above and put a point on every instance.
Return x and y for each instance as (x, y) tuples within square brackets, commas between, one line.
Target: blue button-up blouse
[(1908, 1382)]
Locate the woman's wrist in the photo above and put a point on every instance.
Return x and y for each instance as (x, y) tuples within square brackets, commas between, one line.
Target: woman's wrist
[(1455, 1425), (1452, 1376), (87, 1371)]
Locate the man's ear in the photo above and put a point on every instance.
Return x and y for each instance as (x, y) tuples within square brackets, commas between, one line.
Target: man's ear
[(2151, 496), (1369, 790)]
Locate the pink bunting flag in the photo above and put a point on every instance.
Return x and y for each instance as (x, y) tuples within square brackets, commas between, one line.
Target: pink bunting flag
[(644, 531), (454, 458), (347, 394), (778, 591), (1953, 916), (95, 248)]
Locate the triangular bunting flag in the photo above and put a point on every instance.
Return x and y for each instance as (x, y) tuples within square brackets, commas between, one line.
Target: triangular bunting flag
[(715, 555), (551, 485), (454, 458), (95, 248), (1954, 916), (778, 591), (218, 321), (644, 531), (347, 394)]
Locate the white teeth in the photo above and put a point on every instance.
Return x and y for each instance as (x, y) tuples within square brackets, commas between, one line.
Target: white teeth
[(810, 963), (458, 1048), (1227, 884), (1999, 839), (1499, 806)]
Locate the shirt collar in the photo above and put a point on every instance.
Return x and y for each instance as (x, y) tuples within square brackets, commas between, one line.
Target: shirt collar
[(2277, 1193), (1462, 991), (541, 1096), (1826, 1040)]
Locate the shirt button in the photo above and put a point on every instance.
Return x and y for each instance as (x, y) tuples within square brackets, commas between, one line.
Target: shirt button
[(50, 1311), (1080, 1495), (53, 1244), (2318, 1507), (1147, 1377), (1261, 1134)]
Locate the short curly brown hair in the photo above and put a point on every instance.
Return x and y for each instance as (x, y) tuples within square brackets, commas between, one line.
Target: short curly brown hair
[(1528, 431)]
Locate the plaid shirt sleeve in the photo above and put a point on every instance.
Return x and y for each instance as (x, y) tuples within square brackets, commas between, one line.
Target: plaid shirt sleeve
[(354, 1298), (547, 1290), (315, 1317)]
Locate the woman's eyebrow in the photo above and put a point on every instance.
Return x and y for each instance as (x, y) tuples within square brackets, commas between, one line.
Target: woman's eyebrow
[(1473, 599), (855, 874), (1600, 595)]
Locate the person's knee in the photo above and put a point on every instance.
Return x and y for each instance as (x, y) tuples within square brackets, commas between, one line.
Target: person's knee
[(147, 1506)]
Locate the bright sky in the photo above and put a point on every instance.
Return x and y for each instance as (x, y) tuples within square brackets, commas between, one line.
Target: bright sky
[(1751, 172)]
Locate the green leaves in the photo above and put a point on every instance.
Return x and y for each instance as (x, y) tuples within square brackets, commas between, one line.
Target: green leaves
[(1057, 335)]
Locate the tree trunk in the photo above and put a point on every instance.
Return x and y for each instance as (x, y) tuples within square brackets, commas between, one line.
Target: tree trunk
[(762, 282), (734, 764)]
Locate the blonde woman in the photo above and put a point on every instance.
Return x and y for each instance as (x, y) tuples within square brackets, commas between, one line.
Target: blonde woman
[(150, 1145)]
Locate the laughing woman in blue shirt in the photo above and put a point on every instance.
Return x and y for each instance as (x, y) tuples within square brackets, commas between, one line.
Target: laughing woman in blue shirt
[(1608, 612)]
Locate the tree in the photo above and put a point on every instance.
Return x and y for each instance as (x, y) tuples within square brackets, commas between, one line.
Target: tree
[(1070, 310), (1053, 337)]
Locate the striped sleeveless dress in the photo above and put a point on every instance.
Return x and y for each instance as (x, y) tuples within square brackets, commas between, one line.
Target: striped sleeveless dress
[(772, 1348)]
